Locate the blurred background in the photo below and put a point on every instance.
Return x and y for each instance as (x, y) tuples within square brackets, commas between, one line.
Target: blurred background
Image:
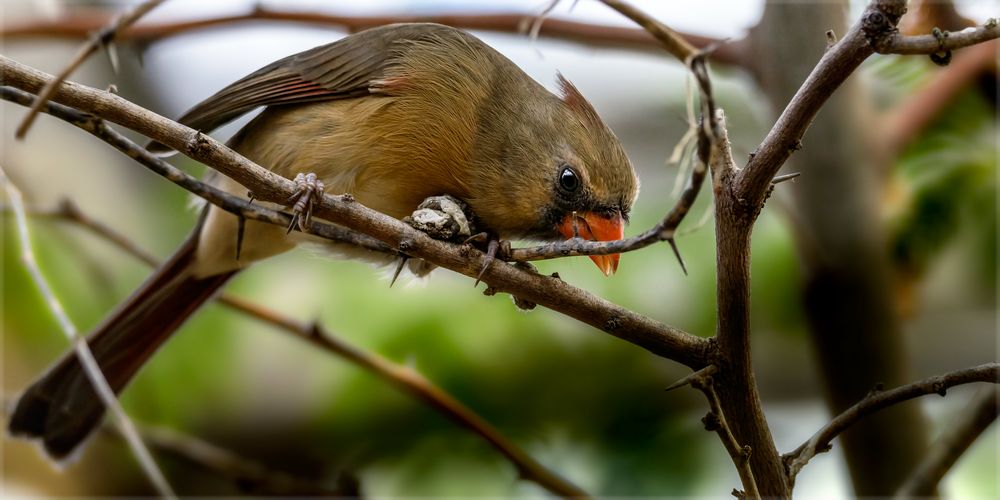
[(896, 207)]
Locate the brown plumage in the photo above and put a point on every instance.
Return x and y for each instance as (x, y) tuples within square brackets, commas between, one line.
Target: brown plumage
[(392, 115)]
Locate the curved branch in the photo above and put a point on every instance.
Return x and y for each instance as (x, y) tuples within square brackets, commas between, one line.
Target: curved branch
[(81, 25), (103, 38), (956, 439), (412, 382), (820, 442), (91, 369), (551, 292)]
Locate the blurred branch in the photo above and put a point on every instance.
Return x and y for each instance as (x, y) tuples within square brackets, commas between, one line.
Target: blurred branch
[(412, 382), (673, 42), (104, 38), (205, 454), (87, 361), (81, 24), (957, 437), (548, 291), (878, 400), (404, 378), (247, 474)]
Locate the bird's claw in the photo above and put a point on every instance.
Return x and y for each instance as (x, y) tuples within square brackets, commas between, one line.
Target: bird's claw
[(495, 248), (308, 187)]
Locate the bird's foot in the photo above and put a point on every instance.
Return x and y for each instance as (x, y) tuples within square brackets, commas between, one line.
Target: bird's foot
[(443, 218), (308, 188), (495, 248)]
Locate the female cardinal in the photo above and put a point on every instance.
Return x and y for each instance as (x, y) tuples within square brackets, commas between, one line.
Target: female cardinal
[(392, 115)]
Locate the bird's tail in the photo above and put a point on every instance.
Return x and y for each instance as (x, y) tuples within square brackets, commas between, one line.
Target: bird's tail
[(61, 408)]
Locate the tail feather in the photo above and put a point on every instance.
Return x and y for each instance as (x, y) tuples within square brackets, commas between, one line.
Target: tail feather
[(62, 408)]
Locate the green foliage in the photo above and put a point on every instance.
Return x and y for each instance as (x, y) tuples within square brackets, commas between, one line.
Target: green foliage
[(950, 178)]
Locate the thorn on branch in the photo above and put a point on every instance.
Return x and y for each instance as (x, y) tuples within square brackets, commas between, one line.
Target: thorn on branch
[(782, 178), (707, 371), (831, 38), (399, 269), (241, 224), (677, 253)]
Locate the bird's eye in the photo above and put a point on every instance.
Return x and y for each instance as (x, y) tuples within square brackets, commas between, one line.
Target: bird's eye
[(568, 180)]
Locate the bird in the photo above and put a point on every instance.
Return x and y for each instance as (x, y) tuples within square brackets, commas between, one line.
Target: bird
[(391, 115)]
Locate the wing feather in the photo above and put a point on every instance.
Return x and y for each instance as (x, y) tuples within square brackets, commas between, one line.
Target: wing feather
[(339, 70)]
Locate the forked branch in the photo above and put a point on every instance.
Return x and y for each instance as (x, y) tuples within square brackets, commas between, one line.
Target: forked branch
[(878, 400)]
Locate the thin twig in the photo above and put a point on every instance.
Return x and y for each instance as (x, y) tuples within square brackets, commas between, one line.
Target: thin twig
[(87, 361), (104, 38), (80, 24), (675, 44), (931, 44), (547, 291), (412, 382), (820, 442), (248, 474), (686, 380), (716, 421), (400, 376), (957, 437)]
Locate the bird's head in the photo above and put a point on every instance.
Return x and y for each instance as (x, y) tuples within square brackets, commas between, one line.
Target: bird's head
[(562, 174)]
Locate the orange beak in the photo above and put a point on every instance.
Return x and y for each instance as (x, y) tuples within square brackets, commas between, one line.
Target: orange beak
[(596, 227)]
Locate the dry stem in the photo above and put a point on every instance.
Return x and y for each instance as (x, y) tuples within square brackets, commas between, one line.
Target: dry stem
[(101, 39), (87, 361), (878, 400)]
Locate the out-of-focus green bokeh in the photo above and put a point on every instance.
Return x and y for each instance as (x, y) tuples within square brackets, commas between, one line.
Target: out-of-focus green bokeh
[(588, 405)]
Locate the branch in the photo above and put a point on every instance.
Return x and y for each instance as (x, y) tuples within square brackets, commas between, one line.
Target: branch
[(412, 382), (956, 439), (878, 400), (404, 378), (235, 205), (87, 361), (551, 292), (932, 44), (80, 24), (243, 471), (103, 38), (716, 421), (874, 31), (675, 44)]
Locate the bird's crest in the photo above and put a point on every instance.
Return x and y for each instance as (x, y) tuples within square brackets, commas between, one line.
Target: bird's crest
[(572, 97)]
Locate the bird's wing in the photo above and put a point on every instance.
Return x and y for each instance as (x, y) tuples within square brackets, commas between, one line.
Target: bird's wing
[(339, 70)]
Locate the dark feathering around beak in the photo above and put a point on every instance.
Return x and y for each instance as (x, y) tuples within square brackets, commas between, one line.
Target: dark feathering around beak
[(596, 227)]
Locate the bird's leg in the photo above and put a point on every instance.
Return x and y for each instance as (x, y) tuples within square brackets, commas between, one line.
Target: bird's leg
[(447, 218), (308, 187), (495, 247)]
